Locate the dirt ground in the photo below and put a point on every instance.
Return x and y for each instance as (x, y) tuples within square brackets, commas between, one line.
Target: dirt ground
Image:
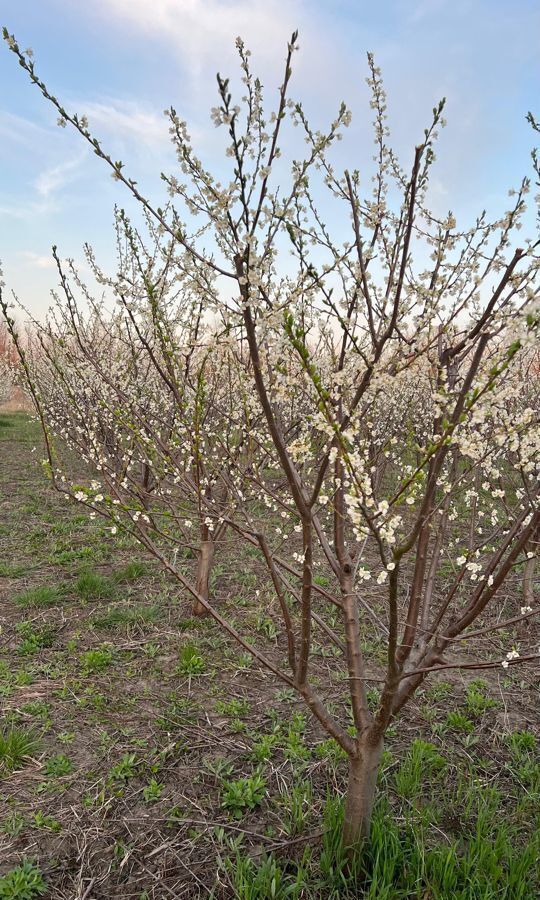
[(144, 718)]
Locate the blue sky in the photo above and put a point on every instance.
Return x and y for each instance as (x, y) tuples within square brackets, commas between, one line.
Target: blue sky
[(123, 61)]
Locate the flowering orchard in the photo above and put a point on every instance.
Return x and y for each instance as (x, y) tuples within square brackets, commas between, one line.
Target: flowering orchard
[(358, 403)]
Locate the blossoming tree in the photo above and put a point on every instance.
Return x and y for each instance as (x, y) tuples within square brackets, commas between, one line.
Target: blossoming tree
[(6, 363), (392, 446)]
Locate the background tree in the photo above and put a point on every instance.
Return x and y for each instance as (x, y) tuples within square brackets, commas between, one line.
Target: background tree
[(8, 358)]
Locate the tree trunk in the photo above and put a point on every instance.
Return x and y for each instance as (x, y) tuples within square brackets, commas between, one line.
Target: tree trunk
[(204, 568), (361, 791), (528, 577)]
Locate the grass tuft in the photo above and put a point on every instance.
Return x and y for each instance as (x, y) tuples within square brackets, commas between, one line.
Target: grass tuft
[(94, 586), (40, 597), (16, 746)]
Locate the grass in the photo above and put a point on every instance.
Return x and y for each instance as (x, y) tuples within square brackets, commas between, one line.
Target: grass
[(422, 759), (131, 572), (401, 862), (94, 586), (140, 713), (127, 615), (40, 597), (17, 745)]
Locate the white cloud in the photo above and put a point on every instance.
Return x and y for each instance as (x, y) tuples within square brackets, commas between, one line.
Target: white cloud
[(200, 35), (126, 118), (26, 211), (55, 178), (18, 130), (200, 28), (37, 260)]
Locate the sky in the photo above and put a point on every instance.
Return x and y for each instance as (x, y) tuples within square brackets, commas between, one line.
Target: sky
[(122, 62)]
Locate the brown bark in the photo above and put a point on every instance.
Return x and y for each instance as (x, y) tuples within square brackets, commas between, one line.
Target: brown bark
[(204, 568), (361, 791), (528, 587), (528, 576)]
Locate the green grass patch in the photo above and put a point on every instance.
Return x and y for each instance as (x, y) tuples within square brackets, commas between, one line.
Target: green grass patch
[(94, 586), (127, 615), (17, 745), (134, 570), (40, 597)]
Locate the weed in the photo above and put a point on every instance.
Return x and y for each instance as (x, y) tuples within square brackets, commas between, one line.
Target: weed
[(191, 661), (398, 863), (125, 769), (263, 747), (296, 803), (58, 765), (152, 791), (521, 742), (243, 661), (126, 615), (38, 709), (439, 691), (234, 707), (151, 650), (13, 824), (180, 711), (219, 766), (135, 569), (321, 580), (265, 880), (330, 750), (49, 823), (7, 570), (24, 882), (284, 695), (93, 661), (294, 745), (476, 700), (266, 626), (34, 637), (525, 763), (242, 794), (457, 721)]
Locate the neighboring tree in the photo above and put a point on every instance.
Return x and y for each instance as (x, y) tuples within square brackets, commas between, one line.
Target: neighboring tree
[(366, 416), (8, 359), (131, 393)]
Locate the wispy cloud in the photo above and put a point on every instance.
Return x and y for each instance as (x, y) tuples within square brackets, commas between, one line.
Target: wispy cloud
[(202, 33), (200, 27), (37, 260), (27, 210), (199, 40), (54, 179), (18, 130), (126, 119)]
